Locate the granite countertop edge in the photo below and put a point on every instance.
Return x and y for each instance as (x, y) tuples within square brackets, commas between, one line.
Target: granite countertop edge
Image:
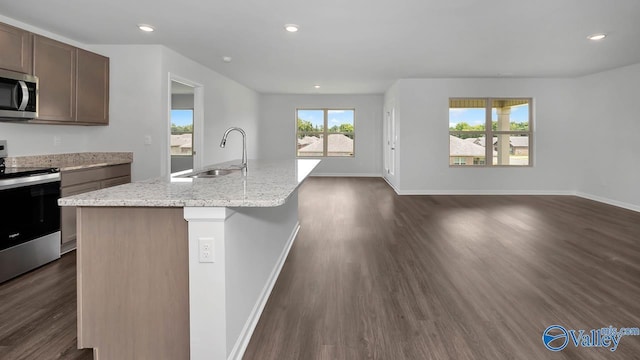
[(270, 184), (171, 203), (72, 161)]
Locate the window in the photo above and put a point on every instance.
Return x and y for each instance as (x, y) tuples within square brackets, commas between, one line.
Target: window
[(182, 132), (506, 121), (459, 161), (315, 125)]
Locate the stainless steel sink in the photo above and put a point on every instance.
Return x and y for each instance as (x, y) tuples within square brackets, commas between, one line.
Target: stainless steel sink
[(212, 173)]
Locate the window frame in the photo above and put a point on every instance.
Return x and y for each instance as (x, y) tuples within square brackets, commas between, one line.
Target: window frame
[(324, 134), (489, 133)]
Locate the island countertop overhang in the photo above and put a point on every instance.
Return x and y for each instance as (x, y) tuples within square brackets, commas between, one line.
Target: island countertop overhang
[(267, 184)]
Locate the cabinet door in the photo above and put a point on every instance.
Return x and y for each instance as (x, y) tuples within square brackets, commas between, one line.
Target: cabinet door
[(16, 50), (92, 88), (82, 181), (68, 214), (55, 64), (115, 181)]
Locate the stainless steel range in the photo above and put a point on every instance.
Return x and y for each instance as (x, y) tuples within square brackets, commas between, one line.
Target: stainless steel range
[(30, 220)]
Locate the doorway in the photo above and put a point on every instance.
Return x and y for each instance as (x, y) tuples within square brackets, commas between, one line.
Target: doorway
[(182, 144), (390, 143)]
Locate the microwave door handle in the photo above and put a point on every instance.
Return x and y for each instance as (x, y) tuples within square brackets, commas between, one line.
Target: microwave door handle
[(25, 96)]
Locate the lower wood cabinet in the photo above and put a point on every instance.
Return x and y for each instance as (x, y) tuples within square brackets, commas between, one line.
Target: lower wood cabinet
[(80, 181)]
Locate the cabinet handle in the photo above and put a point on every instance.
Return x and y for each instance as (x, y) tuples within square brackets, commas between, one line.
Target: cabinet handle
[(25, 95)]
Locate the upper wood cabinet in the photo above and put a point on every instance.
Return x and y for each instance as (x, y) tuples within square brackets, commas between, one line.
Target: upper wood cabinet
[(54, 63), (74, 84), (16, 50), (92, 88)]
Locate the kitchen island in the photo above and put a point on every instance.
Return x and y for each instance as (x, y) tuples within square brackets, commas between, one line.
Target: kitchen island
[(181, 267)]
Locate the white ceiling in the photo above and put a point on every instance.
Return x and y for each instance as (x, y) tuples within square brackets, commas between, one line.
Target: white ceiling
[(358, 46)]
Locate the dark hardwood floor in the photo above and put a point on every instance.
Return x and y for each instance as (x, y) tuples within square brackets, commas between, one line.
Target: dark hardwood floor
[(38, 314), (373, 275)]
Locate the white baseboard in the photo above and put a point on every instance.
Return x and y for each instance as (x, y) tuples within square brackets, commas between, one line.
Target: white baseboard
[(245, 335), (346, 175), (603, 200), (390, 184), (484, 192)]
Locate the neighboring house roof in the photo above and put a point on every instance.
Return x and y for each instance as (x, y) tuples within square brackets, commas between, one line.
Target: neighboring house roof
[(477, 141), (307, 140), (519, 141), (461, 147), (182, 141), (337, 143), (516, 141)]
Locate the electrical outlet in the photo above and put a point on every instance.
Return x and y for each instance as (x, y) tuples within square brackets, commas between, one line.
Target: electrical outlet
[(147, 139), (3, 149), (57, 141), (206, 250)]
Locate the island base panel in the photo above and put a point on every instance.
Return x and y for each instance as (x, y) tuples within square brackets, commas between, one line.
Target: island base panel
[(133, 300)]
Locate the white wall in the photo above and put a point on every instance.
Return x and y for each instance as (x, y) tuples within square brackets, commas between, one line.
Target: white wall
[(182, 101), (140, 108), (139, 101), (278, 131), (226, 103), (35, 139), (135, 107), (609, 133), (424, 141), (584, 137)]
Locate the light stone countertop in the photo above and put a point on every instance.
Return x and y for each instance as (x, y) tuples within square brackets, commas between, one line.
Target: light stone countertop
[(267, 184)]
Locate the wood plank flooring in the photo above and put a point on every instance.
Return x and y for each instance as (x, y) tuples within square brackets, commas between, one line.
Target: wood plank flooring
[(38, 314), (373, 275)]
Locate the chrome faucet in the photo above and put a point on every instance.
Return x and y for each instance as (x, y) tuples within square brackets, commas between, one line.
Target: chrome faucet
[(244, 146)]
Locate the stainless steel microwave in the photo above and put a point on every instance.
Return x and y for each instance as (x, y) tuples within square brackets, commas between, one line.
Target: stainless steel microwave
[(18, 96)]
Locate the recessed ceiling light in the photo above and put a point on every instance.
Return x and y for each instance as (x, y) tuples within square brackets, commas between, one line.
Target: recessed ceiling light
[(597, 36), (316, 86), (226, 59), (292, 27), (146, 28)]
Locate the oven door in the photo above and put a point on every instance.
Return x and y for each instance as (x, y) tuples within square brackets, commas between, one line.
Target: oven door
[(32, 209)]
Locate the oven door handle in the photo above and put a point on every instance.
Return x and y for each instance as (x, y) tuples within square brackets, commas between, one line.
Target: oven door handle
[(25, 96), (13, 183)]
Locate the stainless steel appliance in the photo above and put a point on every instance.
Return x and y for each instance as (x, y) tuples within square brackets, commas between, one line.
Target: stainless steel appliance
[(30, 221), (18, 96)]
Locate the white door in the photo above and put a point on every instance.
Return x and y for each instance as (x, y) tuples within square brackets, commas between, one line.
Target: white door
[(390, 143)]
